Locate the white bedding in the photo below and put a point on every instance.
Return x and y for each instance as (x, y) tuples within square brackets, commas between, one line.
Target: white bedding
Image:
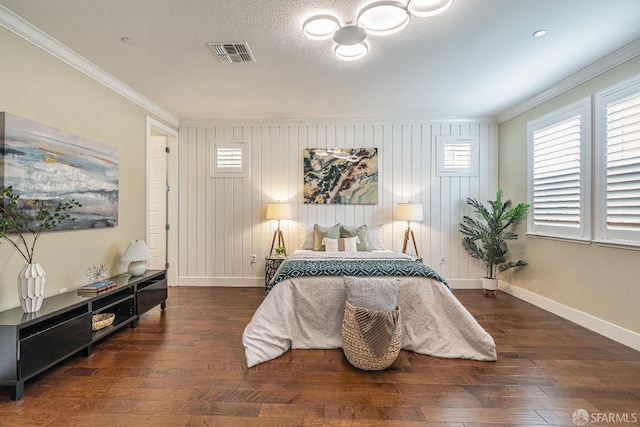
[(306, 313)]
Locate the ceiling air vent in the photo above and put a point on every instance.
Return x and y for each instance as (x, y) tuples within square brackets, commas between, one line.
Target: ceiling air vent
[(231, 52)]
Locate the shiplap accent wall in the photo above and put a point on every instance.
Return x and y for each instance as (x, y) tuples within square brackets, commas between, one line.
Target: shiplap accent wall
[(222, 220)]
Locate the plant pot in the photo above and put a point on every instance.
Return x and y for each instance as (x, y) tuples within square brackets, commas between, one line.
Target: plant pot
[(490, 286), (31, 287)]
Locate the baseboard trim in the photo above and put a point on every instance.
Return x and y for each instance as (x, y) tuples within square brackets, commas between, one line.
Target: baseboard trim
[(602, 327), (465, 284), (228, 282)]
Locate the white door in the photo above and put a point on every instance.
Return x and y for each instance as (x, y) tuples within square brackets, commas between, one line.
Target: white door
[(158, 202)]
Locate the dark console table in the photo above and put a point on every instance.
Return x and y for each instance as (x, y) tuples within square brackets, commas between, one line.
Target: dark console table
[(33, 342)]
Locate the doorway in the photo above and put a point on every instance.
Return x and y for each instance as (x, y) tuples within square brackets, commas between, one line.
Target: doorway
[(161, 233)]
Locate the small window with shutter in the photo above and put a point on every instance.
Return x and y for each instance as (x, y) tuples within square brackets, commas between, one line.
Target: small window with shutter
[(559, 173), (229, 158), (457, 155), (618, 164)]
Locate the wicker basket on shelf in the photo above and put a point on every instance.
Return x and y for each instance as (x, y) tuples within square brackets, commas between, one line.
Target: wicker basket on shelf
[(102, 320), (358, 352)]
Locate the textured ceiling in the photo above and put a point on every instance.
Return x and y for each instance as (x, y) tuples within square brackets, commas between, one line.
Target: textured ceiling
[(476, 60)]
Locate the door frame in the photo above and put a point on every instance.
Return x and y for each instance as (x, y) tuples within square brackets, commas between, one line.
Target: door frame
[(172, 196)]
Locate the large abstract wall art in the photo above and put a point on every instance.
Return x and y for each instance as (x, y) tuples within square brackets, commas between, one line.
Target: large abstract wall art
[(50, 165), (341, 175)]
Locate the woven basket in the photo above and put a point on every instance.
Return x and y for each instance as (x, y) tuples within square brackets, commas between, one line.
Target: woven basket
[(356, 349), (99, 321)]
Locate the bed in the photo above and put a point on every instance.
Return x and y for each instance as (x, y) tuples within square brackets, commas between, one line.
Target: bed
[(304, 306)]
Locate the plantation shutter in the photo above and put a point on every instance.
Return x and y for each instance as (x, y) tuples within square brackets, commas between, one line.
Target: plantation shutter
[(559, 173), (556, 174), (623, 164), (457, 155), (618, 162), (229, 158)]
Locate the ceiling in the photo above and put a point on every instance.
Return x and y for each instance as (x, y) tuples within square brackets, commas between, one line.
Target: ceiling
[(476, 60)]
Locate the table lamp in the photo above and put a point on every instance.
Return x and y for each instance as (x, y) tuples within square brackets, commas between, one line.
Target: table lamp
[(409, 212), (278, 211), (137, 254)]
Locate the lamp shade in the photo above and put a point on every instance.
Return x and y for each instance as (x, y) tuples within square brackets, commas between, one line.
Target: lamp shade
[(278, 211), (409, 212), (136, 251)]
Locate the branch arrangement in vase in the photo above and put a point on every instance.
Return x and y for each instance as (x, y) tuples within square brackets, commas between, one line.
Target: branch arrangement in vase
[(15, 224)]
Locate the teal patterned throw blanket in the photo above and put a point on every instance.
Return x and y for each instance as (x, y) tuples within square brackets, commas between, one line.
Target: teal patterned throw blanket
[(348, 267)]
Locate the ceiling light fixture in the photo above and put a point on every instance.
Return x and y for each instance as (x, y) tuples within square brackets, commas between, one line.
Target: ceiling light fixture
[(425, 8), (379, 18), (384, 17), (320, 27), (539, 33)]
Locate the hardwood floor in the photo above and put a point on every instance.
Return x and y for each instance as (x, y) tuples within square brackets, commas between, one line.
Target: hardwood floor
[(186, 366)]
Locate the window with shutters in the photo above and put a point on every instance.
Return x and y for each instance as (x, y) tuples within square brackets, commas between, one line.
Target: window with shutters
[(229, 158), (618, 164), (559, 173), (457, 155)]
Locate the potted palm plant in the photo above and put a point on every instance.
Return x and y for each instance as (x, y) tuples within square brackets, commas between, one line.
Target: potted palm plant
[(486, 236), (18, 220)]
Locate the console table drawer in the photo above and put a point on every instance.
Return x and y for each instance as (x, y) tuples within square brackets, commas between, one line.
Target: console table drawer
[(49, 346)]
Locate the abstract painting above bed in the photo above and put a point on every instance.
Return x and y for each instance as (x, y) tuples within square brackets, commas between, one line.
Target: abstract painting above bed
[(305, 311), (341, 175)]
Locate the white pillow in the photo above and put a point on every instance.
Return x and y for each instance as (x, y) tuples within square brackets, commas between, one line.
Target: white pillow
[(306, 237), (374, 237), (349, 244)]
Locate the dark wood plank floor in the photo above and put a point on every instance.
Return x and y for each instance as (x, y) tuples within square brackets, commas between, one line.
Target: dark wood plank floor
[(186, 366)]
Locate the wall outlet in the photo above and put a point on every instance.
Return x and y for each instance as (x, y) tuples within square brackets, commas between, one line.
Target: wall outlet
[(253, 258), (63, 290)]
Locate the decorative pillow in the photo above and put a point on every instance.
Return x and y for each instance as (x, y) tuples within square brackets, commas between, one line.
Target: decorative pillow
[(322, 232), (340, 245), (374, 237), (330, 245), (350, 243), (305, 237), (373, 293), (361, 232)]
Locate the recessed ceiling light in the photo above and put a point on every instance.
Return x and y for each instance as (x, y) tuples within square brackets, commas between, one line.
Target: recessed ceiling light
[(539, 33), (128, 40)]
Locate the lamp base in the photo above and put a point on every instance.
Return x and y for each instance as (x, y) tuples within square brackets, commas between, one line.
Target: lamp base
[(137, 268), (408, 235)]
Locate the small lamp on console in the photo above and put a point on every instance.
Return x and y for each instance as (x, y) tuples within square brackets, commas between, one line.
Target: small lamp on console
[(137, 254), (409, 212), (278, 211)]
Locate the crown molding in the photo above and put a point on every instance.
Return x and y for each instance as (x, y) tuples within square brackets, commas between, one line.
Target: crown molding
[(30, 33), (616, 58)]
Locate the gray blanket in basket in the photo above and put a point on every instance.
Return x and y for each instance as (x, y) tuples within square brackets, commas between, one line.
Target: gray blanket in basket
[(377, 328)]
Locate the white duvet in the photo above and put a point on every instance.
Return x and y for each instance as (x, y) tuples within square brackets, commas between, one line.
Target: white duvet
[(307, 312)]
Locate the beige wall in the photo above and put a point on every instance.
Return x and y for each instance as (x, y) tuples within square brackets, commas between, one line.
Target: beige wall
[(38, 87), (600, 281)]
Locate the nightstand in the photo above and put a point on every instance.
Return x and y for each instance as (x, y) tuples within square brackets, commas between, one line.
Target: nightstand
[(270, 267)]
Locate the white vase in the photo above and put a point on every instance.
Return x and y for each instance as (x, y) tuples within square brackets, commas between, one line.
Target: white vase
[(31, 287)]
